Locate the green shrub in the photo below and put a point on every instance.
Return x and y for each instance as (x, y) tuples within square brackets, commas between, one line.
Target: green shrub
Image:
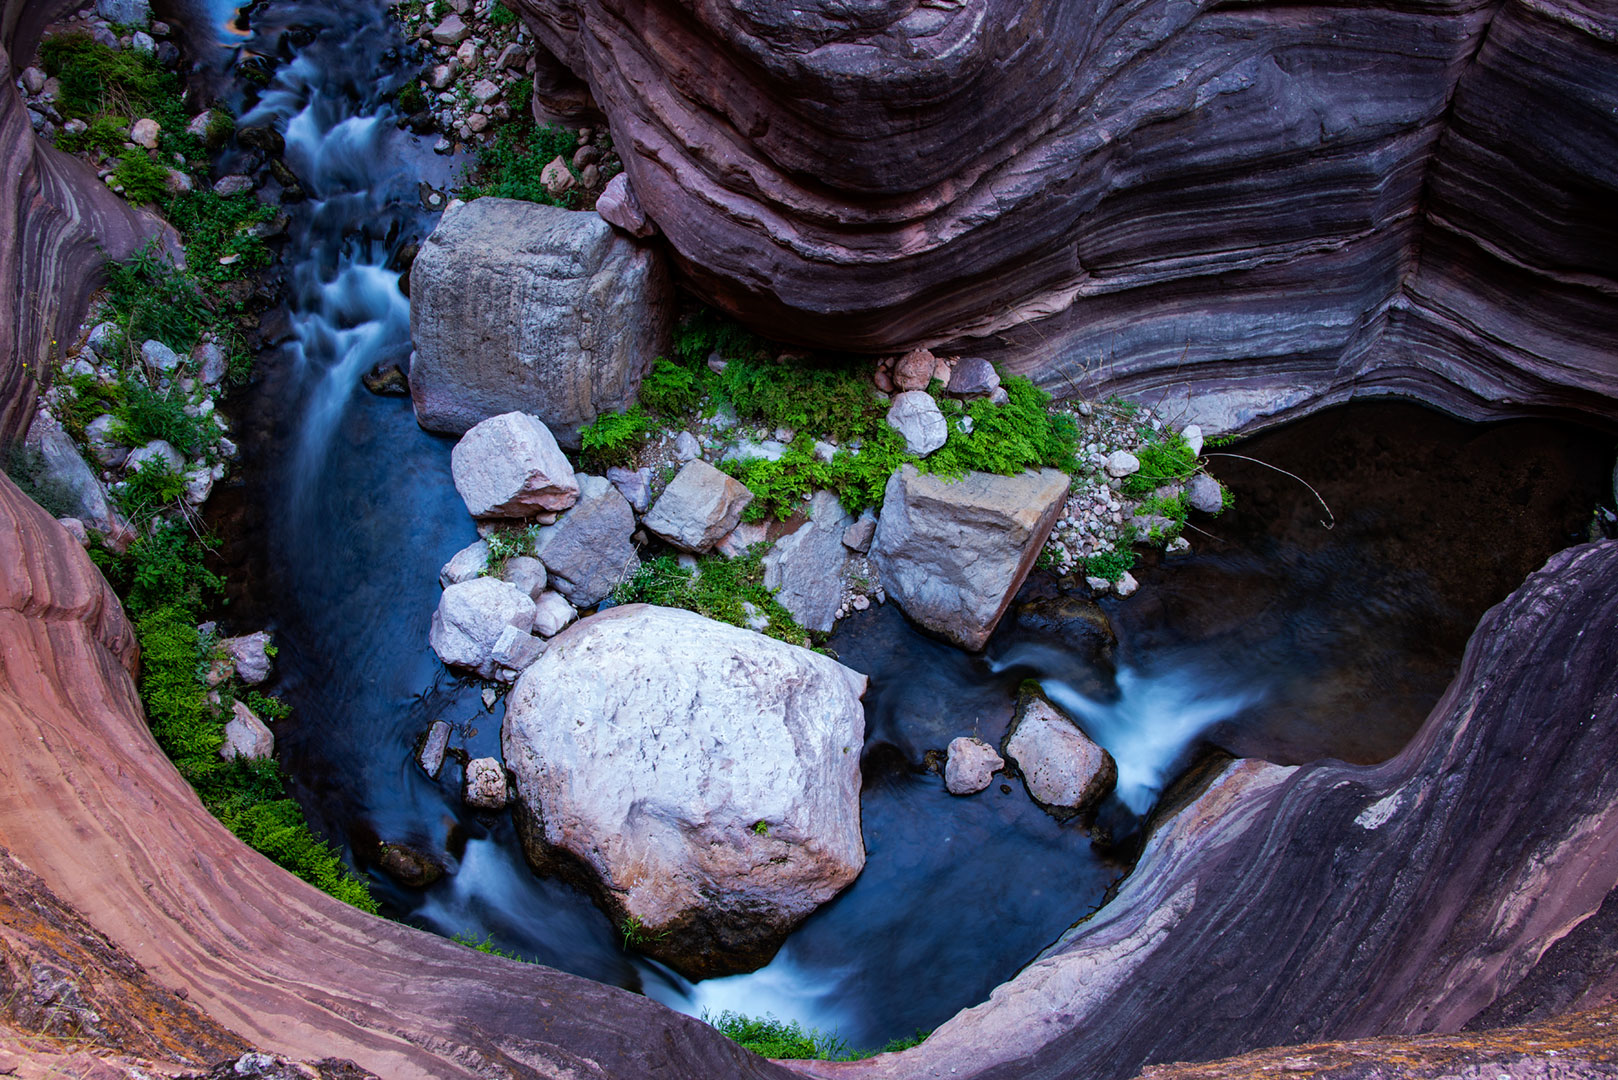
[(143, 180), (411, 98), (614, 438), (1164, 458), (859, 479), (1111, 565), (1006, 439), (216, 226), (147, 414), (152, 298), (1176, 508), (827, 400), (83, 398), (510, 166), (719, 588), (96, 81), (670, 389), (705, 332), (105, 135), (772, 1038), (149, 490), (500, 15)]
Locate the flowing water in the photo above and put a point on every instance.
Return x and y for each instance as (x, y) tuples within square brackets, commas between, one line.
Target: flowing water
[(1278, 637)]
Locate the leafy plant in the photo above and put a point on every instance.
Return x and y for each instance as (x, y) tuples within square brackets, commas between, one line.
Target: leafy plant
[(147, 414), (411, 98), (155, 299), (1111, 565), (105, 134), (670, 389), (1164, 458), (782, 1039), (143, 180), (96, 80), (218, 226), (614, 438), (1006, 439), (761, 828), (719, 588), (149, 489), (636, 934), (500, 15), (486, 945), (510, 166)]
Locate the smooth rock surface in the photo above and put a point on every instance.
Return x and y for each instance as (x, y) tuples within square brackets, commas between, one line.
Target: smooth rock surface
[(806, 565), (246, 736), (915, 415), (509, 466), (249, 655), (158, 450), (952, 554), (1153, 200), (552, 613), (650, 743), (71, 483), (517, 306), (525, 572), (465, 564), (699, 507), (589, 550), (1205, 494), (470, 619), (1062, 768), (970, 765)]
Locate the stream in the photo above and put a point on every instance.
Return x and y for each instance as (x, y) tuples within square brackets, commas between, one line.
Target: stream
[(1277, 637)]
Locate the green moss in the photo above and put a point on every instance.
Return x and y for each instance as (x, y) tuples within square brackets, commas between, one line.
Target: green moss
[(1006, 439), (98, 81), (790, 1040), (143, 180), (614, 438), (486, 944), (719, 588), (671, 389), (166, 585), (411, 99), (500, 15)]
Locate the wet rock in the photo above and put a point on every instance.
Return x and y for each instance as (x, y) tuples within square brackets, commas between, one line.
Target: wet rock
[(470, 618), (971, 765), (951, 554), (409, 867), (263, 137), (1062, 768), (232, 185), (246, 736), (249, 655), (589, 550), (485, 784), (658, 749), (509, 466), (465, 564), (914, 414), (386, 379), (520, 306), (806, 565), (700, 505), (552, 614), (433, 747), (1205, 494), (1126, 584)]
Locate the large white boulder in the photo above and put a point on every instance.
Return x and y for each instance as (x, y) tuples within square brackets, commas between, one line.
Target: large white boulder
[(952, 553), (514, 305), (707, 777), (472, 616), (509, 466)]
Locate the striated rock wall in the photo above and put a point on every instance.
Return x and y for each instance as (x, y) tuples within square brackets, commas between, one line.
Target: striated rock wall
[(57, 224), (90, 804), (1259, 207)]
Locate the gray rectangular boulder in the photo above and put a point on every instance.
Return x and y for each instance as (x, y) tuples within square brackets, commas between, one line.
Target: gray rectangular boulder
[(700, 507), (516, 306), (952, 553)]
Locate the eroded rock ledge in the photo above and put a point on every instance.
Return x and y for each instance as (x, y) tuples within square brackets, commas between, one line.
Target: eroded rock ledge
[(1262, 209)]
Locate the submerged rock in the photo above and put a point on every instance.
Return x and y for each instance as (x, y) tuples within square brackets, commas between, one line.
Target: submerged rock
[(520, 306), (433, 747), (706, 776), (1063, 769), (409, 867), (952, 553), (485, 787), (509, 466), (698, 508)]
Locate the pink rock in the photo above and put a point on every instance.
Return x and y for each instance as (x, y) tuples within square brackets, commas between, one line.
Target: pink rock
[(619, 207)]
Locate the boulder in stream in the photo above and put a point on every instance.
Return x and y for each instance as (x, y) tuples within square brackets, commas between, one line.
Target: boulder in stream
[(952, 553), (1065, 772), (704, 778), (515, 305), (970, 766)]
